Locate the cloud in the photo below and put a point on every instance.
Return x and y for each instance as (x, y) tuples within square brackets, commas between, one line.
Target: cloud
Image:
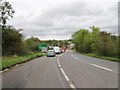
[(59, 19)]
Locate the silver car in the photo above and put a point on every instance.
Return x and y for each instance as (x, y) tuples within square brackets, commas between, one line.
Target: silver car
[(50, 53)]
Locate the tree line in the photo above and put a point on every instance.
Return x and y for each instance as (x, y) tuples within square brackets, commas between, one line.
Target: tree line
[(85, 41), (13, 42), (96, 41)]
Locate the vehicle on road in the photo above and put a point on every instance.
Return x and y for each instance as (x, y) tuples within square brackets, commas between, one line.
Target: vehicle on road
[(57, 50), (50, 53), (63, 50)]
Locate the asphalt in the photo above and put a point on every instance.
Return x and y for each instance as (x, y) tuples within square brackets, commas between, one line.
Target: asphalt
[(82, 71)]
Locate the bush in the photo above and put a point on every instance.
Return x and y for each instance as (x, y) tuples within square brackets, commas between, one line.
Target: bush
[(101, 43), (11, 41)]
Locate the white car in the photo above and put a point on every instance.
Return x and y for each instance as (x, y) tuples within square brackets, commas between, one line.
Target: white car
[(57, 50)]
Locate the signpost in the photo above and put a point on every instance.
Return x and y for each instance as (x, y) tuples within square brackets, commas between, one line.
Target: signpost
[(43, 47)]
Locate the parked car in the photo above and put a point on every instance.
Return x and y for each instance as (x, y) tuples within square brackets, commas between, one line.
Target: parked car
[(50, 53)]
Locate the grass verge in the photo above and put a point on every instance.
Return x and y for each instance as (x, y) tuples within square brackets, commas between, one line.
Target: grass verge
[(13, 60), (104, 57)]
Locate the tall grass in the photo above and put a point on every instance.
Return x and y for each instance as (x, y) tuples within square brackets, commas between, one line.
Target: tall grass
[(8, 61)]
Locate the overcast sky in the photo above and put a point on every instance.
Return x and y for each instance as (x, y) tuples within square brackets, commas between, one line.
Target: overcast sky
[(58, 19)]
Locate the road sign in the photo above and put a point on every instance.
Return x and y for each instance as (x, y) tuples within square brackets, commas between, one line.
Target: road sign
[(43, 47)]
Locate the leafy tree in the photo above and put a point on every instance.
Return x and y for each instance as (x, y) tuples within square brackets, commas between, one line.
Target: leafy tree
[(11, 41), (94, 37), (79, 39), (105, 45), (101, 43), (87, 43), (6, 11), (31, 44)]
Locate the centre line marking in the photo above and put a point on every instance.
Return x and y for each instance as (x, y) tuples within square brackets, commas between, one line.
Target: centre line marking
[(64, 74), (60, 77), (101, 67)]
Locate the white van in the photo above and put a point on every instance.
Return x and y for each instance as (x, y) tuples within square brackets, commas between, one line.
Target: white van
[(57, 50)]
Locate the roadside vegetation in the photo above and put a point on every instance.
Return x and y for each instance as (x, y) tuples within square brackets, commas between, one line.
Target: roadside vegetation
[(15, 48), (103, 57), (97, 43), (9, 61)]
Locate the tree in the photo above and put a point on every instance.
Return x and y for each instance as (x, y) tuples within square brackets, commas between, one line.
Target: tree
[(87, 43), (31, 44), (78, 38), (94, 37), (97, 42), (6, 11), (11, 41), (107, 44)]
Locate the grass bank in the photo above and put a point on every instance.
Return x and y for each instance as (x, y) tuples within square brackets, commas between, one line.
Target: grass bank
[(116, 59), (9, 61)]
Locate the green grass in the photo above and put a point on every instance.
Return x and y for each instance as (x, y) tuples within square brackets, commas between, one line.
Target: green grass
[(104, 57), (9, 61)]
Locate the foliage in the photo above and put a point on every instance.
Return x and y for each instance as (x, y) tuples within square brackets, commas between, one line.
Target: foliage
[(11, 41), (79, 37), (13, 60), (106, 45), (104, 57), (96, 41), (31, 44), (6, 11)]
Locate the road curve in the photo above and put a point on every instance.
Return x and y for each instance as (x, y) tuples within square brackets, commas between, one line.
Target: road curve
[(75, 70)]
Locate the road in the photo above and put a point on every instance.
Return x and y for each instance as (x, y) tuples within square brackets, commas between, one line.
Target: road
[(67, 70)]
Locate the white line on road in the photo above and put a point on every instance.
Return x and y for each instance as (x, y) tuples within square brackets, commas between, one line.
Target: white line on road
[(58, 63), (1, 72), (101, 67), (75, 57), (66, 77), (60, 77), (71, 54), (81, 60)]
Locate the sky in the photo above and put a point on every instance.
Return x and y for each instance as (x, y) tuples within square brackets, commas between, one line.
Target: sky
[(59, 19)]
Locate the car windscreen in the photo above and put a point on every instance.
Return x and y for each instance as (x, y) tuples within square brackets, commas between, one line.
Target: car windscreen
[(50, 51)]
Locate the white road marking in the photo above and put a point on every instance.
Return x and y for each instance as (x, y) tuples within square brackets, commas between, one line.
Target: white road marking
[(58, 63), (101, 67), (61, 54), (81, 60), (71, 54), (60, 77), (5, 70), (16, 65), (66, 77), (75, 57), (1, 72)]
